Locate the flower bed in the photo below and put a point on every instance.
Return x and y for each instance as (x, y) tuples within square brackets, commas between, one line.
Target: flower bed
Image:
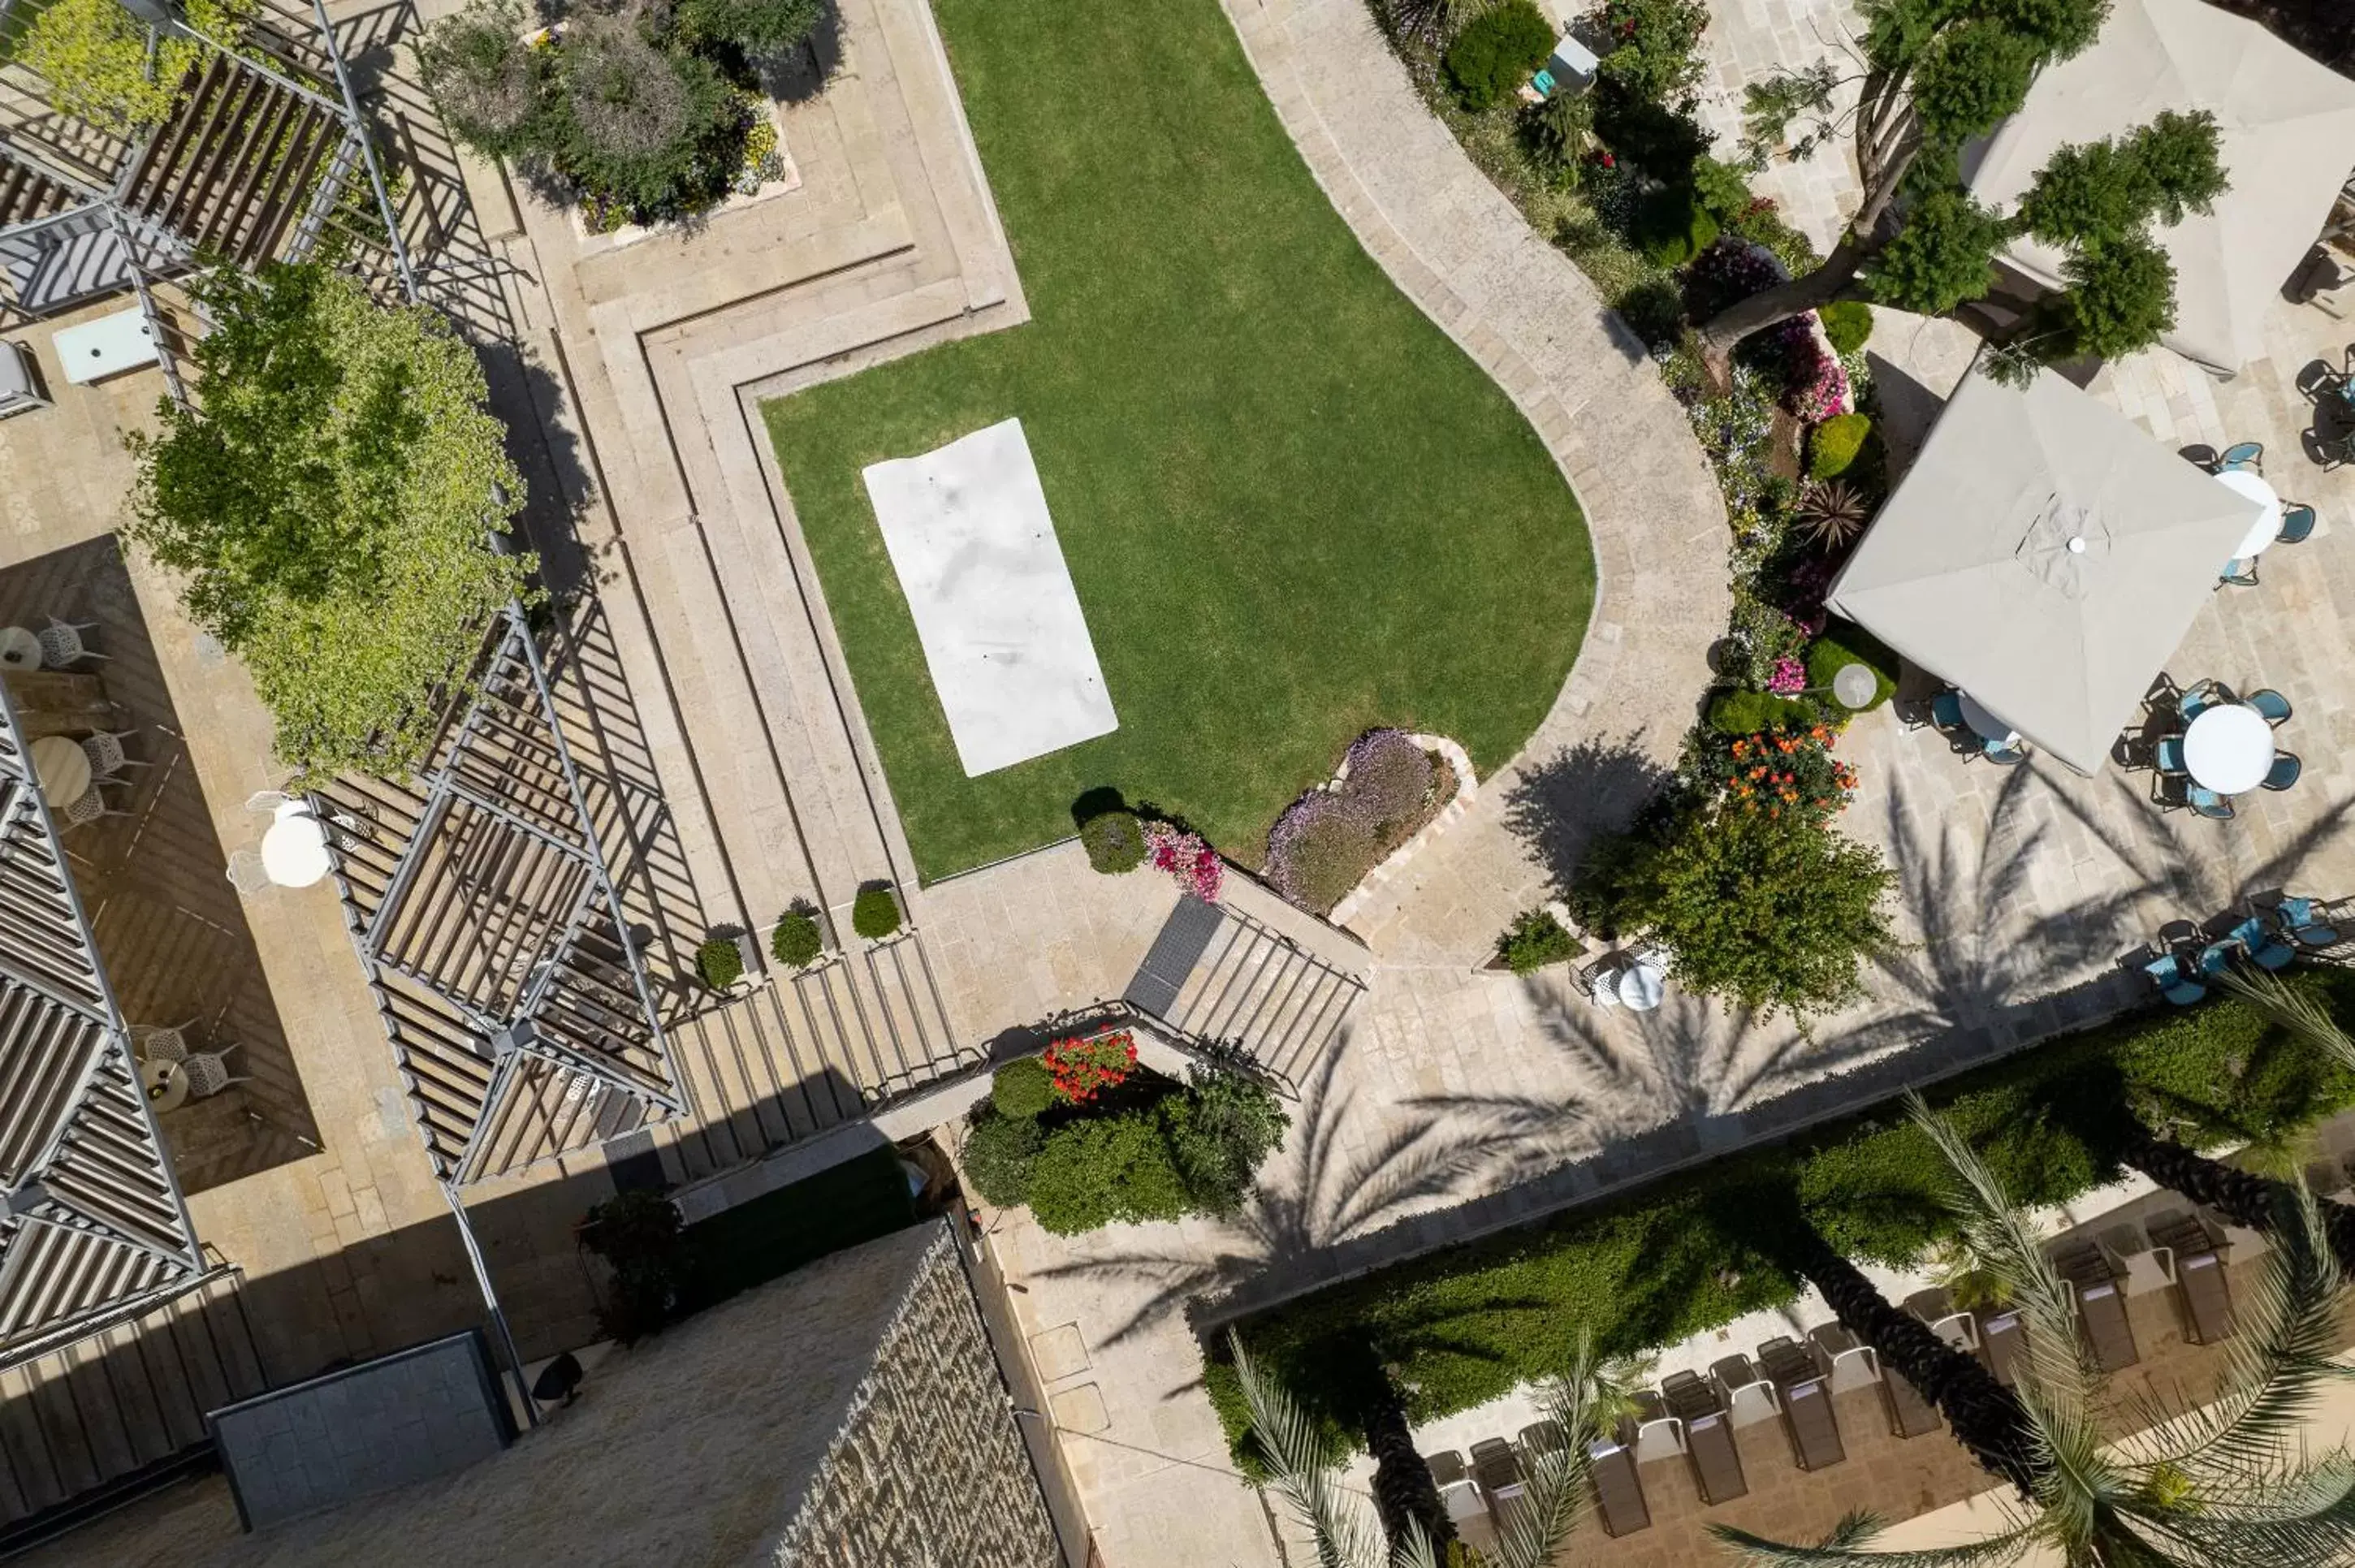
[(1389, 786)]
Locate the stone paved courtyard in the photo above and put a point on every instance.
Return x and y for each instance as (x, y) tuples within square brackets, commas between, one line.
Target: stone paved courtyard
[(1447, 1099)]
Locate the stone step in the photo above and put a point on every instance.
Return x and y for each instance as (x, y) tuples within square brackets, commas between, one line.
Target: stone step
[(1254, 985)]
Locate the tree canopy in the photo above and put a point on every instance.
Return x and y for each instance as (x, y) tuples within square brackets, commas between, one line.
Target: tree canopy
[(327, 505), (1936, 74)]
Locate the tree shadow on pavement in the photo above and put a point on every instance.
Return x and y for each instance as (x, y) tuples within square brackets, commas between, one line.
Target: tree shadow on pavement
[(1560, 805)]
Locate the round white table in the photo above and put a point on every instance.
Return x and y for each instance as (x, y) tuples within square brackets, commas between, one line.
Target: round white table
[(166, 1084), (1640, 986), (294, 850), (63, 768), (19, 649), (2268, 527), (1986, 725), (2229, 747), (1856, 685)]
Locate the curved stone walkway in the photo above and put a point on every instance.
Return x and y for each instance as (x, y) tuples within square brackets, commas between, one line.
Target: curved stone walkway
[(1460, 249)]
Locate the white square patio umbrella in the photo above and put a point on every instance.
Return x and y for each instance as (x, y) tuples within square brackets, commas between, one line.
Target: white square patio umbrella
[(2286, 132), (2045, 555)]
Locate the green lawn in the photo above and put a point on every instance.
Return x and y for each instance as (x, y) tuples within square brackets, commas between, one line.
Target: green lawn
[(1292, 507)]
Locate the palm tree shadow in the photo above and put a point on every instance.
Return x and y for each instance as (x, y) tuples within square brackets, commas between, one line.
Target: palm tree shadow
[(1334, 1191)]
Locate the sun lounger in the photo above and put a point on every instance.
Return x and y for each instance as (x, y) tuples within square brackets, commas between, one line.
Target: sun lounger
[(2141, 1267), (1910, 1415), (1459, 1494), (1749, 1398), (1657, 1435), (2003, 1338), (2240, 1242), (1936, 1308), (1709, 1437), (1807, 1403), (2200, 1292), (2100, 1306), (1849, 1364), (1618, 1495), (1497, 1468)]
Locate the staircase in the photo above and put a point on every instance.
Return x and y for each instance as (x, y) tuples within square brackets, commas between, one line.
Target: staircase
[(236, 164), (1219, 972), (82, 1427)]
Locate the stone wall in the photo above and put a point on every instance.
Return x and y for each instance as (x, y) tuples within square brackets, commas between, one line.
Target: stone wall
[(927, 1470)]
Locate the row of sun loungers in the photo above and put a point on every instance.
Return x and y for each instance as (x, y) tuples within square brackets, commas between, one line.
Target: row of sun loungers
[(1694, 1419)]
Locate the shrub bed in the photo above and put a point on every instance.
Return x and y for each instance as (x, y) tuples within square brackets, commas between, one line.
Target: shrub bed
[(1498, 50), (1326, 842), (1113, 840), (1683, 1256), (1534, 939), (1140, 1148)]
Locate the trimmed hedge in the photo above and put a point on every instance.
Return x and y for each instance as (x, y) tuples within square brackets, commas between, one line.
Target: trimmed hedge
[(1755, 712), (1848, 323), (1833, 445), (1021, 1088), (720, 962), (1694, 1250), (875, 914), (1113, 840), (1534, 939), (797, 940), (1672, 227)]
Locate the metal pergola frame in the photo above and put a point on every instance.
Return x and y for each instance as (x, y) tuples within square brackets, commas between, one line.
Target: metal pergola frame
[(532, 1047), (94, 1228)]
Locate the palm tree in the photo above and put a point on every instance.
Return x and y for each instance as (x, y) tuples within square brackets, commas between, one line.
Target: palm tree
[(2222, 1485), (1406, 1498), (1302, 1460)]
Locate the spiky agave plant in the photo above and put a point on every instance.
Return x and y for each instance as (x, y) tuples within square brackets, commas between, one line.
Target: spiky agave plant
[(1303, 1462), (1831, 512), (2223, 1486)]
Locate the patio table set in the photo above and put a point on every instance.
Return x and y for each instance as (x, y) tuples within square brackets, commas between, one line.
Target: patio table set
[(2269, 936), (293, 852), (72, 768), (2241, 469), (171, 1074), (2219, 745)]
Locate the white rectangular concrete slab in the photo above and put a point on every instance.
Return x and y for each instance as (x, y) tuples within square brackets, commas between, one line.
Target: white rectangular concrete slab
[(1000, 622)]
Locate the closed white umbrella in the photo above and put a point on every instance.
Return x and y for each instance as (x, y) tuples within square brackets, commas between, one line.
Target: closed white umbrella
[(2047, 556)]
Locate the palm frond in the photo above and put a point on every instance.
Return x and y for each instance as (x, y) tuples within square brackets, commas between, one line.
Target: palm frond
[(1413, 1549), (1584, 1403), (2297, 1012), (2274, 1368), (1304, 1467), (2310, 1520), (1852, 1540)]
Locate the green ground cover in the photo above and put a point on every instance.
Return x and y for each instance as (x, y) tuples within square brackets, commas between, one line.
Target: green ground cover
[(1466, 1324), (1293, 509)]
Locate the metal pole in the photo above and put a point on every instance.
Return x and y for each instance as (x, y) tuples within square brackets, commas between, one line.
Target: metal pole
[(367, 152), (491, 1303)]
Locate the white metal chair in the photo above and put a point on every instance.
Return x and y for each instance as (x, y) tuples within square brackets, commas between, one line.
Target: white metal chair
[(88, 807), (106, 754), (208, 1072), (247, 874), (160, 1042), (61, 643)]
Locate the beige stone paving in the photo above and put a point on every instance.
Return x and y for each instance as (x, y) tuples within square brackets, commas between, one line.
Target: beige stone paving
[(1750, 40)]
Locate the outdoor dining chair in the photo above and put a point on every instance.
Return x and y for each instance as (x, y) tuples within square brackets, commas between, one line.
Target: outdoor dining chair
[(2217, 957), (88, 807), (2205, 801), (2166, 971), (2298, 523), (2167, 756), (247, 874), (2004, 754), (106, 754), (61, 643), (2270, 703), (2248, 454), (2202, 695), (208, 1072), (2301, 919), (2239, 572), (1946, 711), (2264, 949), (2285, 771), (160, 1042)]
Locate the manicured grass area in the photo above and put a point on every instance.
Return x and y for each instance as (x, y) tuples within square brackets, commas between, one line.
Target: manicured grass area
[(1293, 508), (1462, 1326)]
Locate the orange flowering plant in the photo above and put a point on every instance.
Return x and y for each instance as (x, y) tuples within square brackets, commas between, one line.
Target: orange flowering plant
[(1774, 771)]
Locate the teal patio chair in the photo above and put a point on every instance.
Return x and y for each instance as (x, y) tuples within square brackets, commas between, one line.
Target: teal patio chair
[(2240, 573), (2271, 703), (2166, 971), (2264, 949), (2298, 523), (2205, 801), (2168, 756), (2285, 771), (2248, 454)]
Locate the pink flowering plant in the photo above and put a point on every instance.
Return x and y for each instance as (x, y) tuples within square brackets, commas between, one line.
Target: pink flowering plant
[(1789, 677), (1194, 864)]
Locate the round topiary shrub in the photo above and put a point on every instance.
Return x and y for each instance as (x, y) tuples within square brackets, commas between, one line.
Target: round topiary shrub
[(798, 940), (1498, 50), (1022, 1088), (1672, 228), (875, 914), (999, 1153), (1848, 323), (1115, 842), (721, 961), (1833, 445)]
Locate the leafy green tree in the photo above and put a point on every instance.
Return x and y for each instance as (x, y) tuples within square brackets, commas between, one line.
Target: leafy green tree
[(757, 27), (1770, 909), (2224, 1482), (94, 57), (327, 505), (1937, 73)]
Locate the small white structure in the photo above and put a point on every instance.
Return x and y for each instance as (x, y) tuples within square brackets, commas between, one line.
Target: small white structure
[(1001, 626), (2287, 129)]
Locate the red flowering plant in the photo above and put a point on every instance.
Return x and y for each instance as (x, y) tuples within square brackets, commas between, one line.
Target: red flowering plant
[(1082, 1069), (1195, 865), (1774, 771)]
